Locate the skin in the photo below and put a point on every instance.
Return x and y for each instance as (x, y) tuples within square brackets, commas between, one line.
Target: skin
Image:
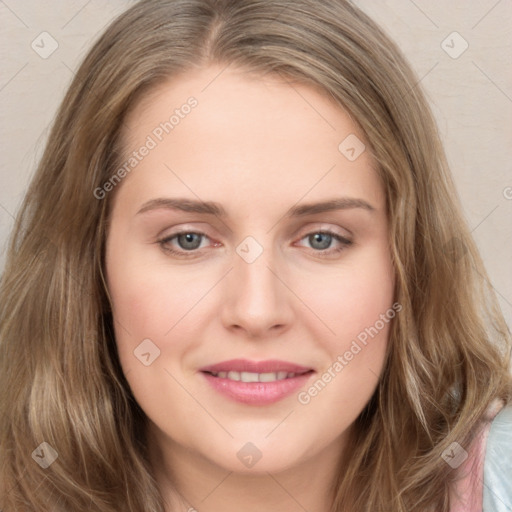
[(258, 147)]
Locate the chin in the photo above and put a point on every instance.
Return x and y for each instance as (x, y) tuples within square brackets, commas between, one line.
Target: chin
[(259, 456)]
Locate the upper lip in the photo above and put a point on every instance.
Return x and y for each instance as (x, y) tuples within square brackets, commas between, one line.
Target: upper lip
[(244, 365)]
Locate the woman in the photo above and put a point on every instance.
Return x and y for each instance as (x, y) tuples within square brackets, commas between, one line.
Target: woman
[(241, 280)]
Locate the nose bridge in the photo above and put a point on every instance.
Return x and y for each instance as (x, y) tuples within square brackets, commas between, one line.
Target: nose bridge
[(256, 299)]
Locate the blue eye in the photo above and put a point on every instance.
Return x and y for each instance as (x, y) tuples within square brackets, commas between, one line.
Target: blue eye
[(186, 243), (189, 241), (322, 241)]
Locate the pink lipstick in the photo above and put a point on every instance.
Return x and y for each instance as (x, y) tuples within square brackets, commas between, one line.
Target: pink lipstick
[(256, 382)]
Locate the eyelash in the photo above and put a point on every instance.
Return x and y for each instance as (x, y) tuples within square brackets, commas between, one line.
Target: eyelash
[(193, 253)]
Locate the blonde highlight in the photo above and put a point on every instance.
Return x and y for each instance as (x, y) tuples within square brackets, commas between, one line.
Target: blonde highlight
[(450, 348)]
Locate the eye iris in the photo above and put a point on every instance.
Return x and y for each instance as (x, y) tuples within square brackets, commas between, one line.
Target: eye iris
[(324, 240), (189, 240)]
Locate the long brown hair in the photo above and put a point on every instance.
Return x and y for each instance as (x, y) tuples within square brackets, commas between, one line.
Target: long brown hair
[(59, 373)]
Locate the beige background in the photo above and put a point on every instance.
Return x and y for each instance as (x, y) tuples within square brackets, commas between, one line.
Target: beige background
[(471, 96)]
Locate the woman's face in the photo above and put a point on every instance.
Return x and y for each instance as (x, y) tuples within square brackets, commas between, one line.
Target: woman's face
[(249, 269)]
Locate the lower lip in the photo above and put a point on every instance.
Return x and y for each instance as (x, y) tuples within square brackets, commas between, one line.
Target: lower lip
[(257, 393)]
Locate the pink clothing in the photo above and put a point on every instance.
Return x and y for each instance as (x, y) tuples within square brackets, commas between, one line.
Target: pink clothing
[(467, 495)]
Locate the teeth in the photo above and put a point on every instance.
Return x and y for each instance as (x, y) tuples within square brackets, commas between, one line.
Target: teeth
[(254, 377), (249, 377), (268, 377)]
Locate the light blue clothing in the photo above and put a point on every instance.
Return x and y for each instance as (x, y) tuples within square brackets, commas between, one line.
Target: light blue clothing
[(497, 491)]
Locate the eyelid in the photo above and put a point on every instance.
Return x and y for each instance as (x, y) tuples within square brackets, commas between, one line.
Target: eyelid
[(178, 229), (194, 253), (319, 227), (331, 252)]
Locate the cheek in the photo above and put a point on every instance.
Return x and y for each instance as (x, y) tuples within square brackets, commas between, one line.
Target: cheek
[(356, 304), (150, 303), (353, 297), (360, 313), (140, 309), (163, 304)]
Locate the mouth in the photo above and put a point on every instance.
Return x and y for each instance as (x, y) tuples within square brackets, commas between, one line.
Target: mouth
[(256, 377), (256, 383)]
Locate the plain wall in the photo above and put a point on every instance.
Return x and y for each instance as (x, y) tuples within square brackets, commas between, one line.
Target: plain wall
[(470, 93)]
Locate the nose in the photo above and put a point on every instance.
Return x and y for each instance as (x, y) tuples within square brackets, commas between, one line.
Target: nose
[(257, 299)]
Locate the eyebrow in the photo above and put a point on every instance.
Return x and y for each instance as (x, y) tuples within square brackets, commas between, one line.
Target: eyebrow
[(212, 208)]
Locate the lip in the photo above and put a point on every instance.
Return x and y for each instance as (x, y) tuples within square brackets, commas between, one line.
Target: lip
[(257, 393), (244, 365)]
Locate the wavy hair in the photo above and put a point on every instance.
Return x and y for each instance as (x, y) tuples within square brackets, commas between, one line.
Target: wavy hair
[(449, 350)]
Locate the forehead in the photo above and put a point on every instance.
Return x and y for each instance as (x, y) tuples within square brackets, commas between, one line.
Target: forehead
[(230, 94), (248, 135)]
